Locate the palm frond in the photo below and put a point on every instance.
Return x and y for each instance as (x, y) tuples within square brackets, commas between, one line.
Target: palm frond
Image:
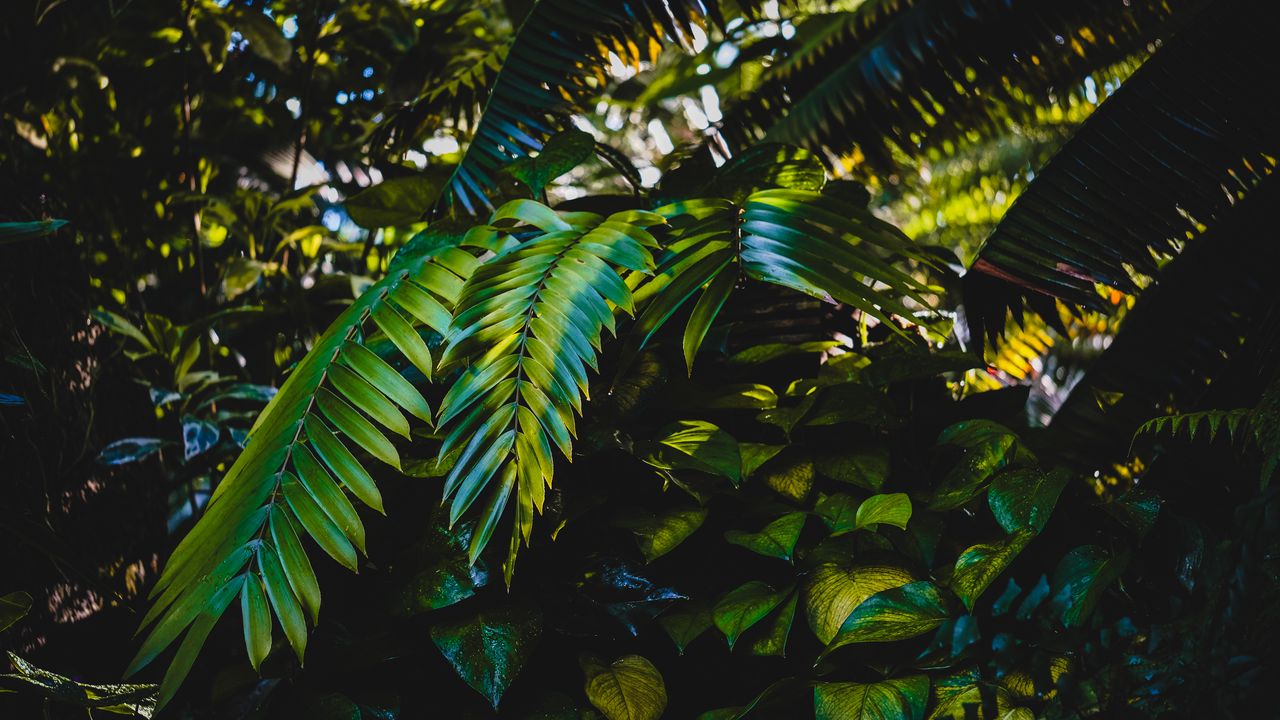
[(556, 62), (1259, 425), (293, 479), (1180, 335), (1196, 422), (817, 243), (527, 328), (911, 75), (1175, 149)]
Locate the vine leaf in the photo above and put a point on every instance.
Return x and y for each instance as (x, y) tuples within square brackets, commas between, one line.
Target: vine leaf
[(489, 649), (629, 688)]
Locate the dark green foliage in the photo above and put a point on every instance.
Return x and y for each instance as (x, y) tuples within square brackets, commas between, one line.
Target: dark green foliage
[(894, 75), (1187, 137), (770, 474)]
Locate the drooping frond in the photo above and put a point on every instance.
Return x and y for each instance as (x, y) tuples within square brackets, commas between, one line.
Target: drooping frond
[(817, 243), (556, 62), (1180, 334), (302, 462), (527, 328), (1193, 131), (910, 75), (1196, 422), (1259, 425)]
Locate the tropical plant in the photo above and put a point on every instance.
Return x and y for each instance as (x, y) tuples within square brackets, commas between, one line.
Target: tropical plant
[(861, 396)]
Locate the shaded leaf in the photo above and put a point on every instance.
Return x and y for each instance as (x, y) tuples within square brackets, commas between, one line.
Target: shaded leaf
[(394, 202), (434, 572), (129, 450), (561, 153), (1080, 579), (13, 607), (686, 622), (489, 649), (662, 534), (745, 606), (770, 638), (777, 539), (198, 436)]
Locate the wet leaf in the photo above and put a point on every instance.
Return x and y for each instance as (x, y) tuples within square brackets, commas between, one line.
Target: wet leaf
[(489, 649)]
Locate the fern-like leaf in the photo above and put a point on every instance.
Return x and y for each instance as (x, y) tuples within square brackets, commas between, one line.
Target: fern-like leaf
[(527, 328), (301, 462), (1195, 422)]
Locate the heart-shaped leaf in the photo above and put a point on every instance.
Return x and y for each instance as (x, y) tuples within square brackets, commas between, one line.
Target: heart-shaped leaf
[(902, 699), (745, 606), (686, 623), (979, 566), (1025, 498), (896, 614), (660, 535), (434, 572), (488, 649), (777, 539), (834, 591), (629, 688), (891, 509)]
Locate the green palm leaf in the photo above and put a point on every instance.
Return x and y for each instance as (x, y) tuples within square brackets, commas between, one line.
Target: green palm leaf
[(296, 472), (555, 64), (818, 244), (526, 329), (1177, 147), (1181, 334), (901, 76)]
